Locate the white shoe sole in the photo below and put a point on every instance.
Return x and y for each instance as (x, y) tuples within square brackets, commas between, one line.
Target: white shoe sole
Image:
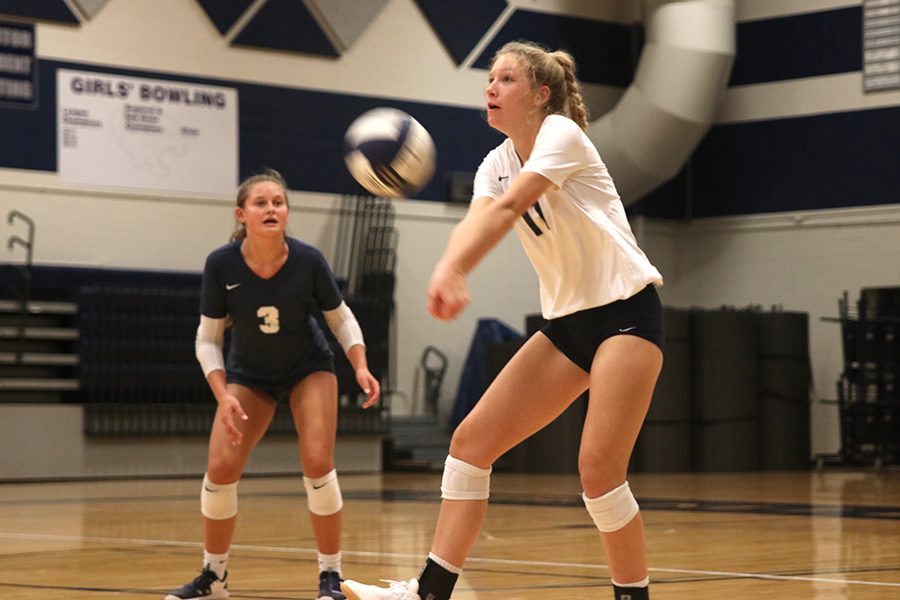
[(349, 593)]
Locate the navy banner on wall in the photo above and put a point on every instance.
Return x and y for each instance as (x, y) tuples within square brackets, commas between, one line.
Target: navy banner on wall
[(18, 70)]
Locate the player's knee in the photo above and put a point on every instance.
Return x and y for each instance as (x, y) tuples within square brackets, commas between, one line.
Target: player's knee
[(317, 461), (465, 437), (613, 510), (323, 494), (223, 468), (463, 481), (218, 501), (598, 470)]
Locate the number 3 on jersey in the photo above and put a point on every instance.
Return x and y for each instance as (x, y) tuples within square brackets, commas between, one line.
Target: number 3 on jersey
[(269, 315)]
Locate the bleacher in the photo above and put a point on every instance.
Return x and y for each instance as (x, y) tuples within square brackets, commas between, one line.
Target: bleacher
[(126, 352)]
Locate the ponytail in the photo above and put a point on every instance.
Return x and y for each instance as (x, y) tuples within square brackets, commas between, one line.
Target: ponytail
[(578, 112)]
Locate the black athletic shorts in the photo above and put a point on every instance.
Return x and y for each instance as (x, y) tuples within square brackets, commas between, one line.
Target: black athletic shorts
[(580, 334), (281, 390)]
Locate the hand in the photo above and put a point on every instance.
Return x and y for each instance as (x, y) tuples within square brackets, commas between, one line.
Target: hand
[(370, 386), (448, 293), (229, 410)]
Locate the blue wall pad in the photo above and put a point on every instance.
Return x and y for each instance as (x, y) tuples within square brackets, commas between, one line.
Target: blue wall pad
[(462, 23), (807, 45), (814, 162), (606, 53), (224, 14), (298, 132), (28, 135), (301, 133), (47, 10), (286, 25), (834, 160), (668, 201)]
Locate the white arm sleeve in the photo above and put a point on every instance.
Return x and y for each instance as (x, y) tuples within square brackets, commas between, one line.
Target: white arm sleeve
[(344, 326), (208, 344)]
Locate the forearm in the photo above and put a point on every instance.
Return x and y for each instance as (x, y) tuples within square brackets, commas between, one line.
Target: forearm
[(356, 354), (476, 235), (488, 221), (217, 383)]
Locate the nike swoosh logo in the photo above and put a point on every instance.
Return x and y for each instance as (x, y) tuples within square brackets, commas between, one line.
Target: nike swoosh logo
[(319, 487), (627, 329), (502, 177), (231, 286), (209, 490)]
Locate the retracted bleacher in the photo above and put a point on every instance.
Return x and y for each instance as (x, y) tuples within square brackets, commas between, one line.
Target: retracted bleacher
[(133, 365), (137, 367), (139, 375)]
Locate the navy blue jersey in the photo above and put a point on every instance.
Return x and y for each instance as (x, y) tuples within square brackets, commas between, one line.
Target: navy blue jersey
[(273, 333)]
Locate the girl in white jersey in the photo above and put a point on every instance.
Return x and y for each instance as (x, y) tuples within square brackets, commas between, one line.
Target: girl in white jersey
[(265, 286), (547, 181)]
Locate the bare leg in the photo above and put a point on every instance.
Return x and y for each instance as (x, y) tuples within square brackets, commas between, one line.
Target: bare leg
[(623, 376), (226, 461), (314, 406), (523, 403)]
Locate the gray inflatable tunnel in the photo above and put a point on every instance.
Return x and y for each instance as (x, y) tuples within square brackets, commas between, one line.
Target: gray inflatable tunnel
[(683, 72)]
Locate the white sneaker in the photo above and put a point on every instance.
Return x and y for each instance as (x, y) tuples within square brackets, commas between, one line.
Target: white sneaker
[(396, 590)]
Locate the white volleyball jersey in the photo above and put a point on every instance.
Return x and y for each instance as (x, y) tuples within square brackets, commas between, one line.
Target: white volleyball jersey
[(576, 235)]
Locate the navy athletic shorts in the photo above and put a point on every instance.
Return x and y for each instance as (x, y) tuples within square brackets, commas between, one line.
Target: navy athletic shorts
[(281, 390), (580, 334)]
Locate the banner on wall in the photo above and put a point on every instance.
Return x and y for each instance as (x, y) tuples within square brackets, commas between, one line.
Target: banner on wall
[(146, 133), (18, 73)]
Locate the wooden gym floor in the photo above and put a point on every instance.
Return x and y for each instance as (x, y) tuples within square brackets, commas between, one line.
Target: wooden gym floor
[(802, 535)]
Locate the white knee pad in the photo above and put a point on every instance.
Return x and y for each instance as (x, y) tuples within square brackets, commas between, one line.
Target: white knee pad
[(613, 510), (462, 481), (218, 501), (323, 494)]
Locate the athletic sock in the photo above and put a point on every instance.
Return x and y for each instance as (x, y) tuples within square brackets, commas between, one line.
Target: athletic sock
[(330, 562), (639, 590), (217, 563), (438, 578)]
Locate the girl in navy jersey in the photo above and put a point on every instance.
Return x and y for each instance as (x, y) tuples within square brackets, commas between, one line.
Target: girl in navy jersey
[(547, 182), (266, 286)]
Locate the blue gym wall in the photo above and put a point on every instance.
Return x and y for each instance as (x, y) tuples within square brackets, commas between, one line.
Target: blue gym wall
[(838, 159), (298, 132)]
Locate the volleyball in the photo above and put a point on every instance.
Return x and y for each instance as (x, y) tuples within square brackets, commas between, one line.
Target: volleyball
[(389, 153)]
